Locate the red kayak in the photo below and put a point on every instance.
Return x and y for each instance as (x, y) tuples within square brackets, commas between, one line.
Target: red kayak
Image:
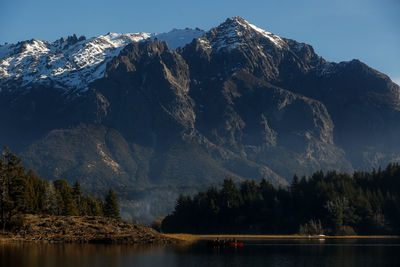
[(235, 244), (223, 243)]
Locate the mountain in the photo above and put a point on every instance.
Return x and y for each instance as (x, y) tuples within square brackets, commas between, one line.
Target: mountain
[(154, 118), (72, 63)]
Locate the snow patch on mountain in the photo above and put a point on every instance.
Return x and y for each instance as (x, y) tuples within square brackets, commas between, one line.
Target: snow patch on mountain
[(229, 36), (235, 32), (272, 37), (69, 64), (326, 69), (204, 43), (73, 63)]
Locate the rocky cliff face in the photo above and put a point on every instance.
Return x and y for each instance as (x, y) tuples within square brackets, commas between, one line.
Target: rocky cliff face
[(237, 101)]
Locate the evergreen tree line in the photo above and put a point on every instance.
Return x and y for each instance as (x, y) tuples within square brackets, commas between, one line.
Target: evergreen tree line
[(24, 192), (330, 203)]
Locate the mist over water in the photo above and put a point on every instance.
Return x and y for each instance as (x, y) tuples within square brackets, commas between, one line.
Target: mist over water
[(255, 253), (150, 203)]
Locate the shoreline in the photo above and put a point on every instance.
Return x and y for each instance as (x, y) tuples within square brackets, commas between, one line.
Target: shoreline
[(194, 237), (109, 240), (174, 239)]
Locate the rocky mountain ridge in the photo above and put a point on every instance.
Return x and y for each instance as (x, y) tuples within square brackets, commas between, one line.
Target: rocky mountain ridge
[(237, 101)]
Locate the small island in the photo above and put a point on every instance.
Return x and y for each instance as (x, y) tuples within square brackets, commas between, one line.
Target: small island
[(84, 229)]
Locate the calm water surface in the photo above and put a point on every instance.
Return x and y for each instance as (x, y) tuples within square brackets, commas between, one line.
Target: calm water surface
[(255, 253)]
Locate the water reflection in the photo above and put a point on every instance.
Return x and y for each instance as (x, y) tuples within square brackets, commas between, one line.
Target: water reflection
[(255, 253)]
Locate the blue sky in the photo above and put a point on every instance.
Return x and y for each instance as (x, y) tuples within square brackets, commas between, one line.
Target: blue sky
[(337, 29)]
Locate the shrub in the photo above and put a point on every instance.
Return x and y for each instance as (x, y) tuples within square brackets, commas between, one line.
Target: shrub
[(311, 228), (17, 222)]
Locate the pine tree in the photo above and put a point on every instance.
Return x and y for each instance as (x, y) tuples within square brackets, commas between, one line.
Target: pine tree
[(34, 191), (100, 204), (78, 198), (31, 195), (92, 207), (51, 206), (231, 197), (69, 207), (111, 208), (4, 192), (13, 186), (59, 207)]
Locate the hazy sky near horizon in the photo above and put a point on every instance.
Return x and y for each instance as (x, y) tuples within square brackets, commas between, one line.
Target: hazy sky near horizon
[(339, 30)]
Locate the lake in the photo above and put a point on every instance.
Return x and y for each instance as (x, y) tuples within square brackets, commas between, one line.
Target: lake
[(365, 252)]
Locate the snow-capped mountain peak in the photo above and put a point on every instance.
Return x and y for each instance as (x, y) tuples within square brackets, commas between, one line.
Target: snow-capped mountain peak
[(235, 32)]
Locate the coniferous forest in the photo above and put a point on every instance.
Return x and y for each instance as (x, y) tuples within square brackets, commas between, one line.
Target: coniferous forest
[(23, 192), (324, 203)]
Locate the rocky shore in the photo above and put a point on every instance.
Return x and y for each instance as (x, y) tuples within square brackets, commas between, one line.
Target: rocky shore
[(76, 229)]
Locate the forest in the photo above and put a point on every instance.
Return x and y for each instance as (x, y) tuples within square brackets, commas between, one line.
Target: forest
[(23, 192), (324, 203)]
